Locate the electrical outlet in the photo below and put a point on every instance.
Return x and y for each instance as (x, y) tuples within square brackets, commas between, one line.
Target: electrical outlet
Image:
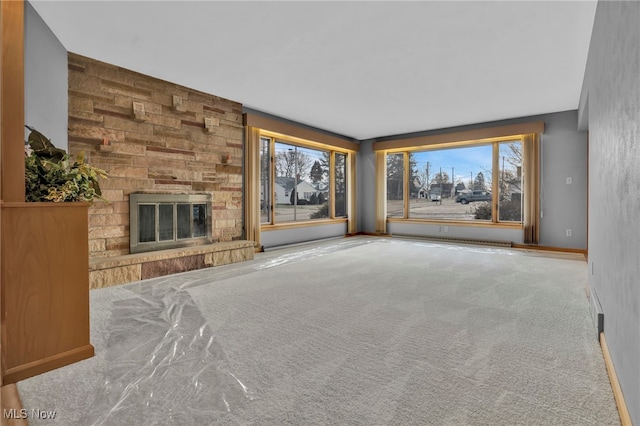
[(569, 181), (445, 229), (569, 233)]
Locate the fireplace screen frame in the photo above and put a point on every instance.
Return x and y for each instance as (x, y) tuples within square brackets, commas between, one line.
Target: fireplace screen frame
[(152, 199)]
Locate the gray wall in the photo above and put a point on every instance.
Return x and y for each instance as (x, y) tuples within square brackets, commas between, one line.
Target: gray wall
[(563, 206), (46, 85), (366, 188), (564, 154), (610, 104)]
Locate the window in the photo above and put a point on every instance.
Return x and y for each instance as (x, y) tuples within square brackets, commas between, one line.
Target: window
[(457, 183), (443, 180), (284, 190), (297, 181), (395, 185), (511, 183), (265, 180), (340, 179), (301, 184)]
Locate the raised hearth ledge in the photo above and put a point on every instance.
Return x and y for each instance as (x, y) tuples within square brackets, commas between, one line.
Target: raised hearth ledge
[(110, 271)]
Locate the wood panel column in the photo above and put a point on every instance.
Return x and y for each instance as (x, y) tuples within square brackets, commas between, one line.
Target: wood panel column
[(381, 192), (352, 209), (252, 184), (12, 101), (11, 117)]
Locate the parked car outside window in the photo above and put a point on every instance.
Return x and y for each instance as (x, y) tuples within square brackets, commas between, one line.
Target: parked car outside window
[(466, 197)]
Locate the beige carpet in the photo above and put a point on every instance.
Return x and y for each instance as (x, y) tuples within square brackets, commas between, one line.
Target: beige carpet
[(358, 331)]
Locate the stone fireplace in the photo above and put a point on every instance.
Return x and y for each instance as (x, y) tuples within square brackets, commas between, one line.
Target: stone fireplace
[(174, 158)]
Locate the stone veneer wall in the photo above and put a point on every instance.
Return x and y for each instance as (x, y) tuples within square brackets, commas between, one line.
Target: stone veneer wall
[(170, 151)]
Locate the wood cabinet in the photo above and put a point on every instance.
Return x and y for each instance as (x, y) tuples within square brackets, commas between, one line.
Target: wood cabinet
[(45, 287)]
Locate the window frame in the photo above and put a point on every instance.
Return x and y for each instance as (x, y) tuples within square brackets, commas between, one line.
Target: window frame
[(276, 137), (528, 134), (495, 172)]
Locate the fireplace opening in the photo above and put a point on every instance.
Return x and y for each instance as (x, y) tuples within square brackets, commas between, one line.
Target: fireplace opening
[(161, 221)]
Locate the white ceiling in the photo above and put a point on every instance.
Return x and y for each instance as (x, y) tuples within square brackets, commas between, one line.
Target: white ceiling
[(360, 69)]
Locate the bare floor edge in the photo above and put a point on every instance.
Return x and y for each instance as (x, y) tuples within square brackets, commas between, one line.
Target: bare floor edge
[(358, 331), (12, 409)]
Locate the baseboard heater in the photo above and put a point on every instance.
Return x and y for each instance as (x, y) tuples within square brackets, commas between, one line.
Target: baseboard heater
[(597, 315), (454, 240), (297, 243)]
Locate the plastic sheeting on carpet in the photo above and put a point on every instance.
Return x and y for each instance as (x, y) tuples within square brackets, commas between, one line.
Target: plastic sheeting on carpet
[(162, 357)]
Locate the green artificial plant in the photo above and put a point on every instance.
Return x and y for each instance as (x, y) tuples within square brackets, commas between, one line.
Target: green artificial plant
[(53, 175)]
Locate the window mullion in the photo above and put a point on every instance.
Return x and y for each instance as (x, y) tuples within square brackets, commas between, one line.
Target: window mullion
[(381, 194), (405, 184), (272, 185), (332, 184), (495, 182)]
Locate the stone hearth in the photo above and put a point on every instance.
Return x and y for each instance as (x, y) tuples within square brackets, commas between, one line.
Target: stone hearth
[(106, 272)]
